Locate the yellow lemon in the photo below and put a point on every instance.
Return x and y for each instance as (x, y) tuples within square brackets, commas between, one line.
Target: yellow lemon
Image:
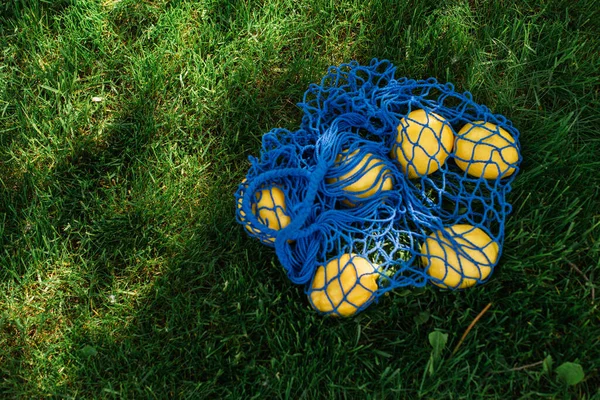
[(486, 150), (368, 177), (447, 262), (344, 285), (423, 143), (269, 209)]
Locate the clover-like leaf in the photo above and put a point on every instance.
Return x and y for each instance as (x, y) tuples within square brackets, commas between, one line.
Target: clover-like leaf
[(88, 351), (570, 373), (438, 341), (422, 317)]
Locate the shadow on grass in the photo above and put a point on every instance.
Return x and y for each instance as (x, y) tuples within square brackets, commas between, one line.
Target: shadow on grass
[(62, 218), (13, 10), (200, 312), (193, 320)]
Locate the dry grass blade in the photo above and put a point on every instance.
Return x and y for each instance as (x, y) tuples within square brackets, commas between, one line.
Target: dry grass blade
[(586, 279), (471, 327), (522, 367)]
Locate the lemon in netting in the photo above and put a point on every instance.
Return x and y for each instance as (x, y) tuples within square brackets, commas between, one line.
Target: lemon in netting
[(486, 150), (269, 209), (241, 212), (368, 177), (424, 141), (344, 285), (465, 255)]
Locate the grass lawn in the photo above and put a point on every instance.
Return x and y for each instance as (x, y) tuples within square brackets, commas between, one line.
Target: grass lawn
[(125, 128)]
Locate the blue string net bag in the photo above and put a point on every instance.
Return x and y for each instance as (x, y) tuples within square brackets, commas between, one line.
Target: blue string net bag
[(387, 183)]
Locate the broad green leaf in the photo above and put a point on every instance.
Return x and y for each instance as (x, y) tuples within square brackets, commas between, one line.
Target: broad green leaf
[(89, 351), (570, 373), (422, 317), (438, 341)]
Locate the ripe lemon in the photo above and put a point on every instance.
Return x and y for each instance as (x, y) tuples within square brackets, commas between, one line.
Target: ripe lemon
[(344, 285), (269, 209), (369, 176), (486, 150), (459, 265), (423, 143)]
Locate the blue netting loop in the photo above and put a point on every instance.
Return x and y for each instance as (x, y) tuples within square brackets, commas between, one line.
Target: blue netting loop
[(388, 182)]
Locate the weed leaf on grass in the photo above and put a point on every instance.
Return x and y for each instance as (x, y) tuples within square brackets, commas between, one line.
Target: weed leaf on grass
[(422, 318), (570, 373), (89, 351), (438, 341)]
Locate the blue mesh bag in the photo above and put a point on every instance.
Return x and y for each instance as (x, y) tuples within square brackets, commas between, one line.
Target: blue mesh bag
[(387, 183)]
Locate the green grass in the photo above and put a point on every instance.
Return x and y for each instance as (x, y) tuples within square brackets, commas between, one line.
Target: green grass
[(124, 275)]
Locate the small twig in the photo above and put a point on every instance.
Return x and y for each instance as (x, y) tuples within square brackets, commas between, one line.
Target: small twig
[(586, 279), (535, 364), (471, 327)]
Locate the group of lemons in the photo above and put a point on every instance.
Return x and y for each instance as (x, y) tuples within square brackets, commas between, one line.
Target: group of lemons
[(456, 257)]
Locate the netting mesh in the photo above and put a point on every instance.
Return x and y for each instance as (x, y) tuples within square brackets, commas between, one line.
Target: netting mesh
[(387, 183)]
